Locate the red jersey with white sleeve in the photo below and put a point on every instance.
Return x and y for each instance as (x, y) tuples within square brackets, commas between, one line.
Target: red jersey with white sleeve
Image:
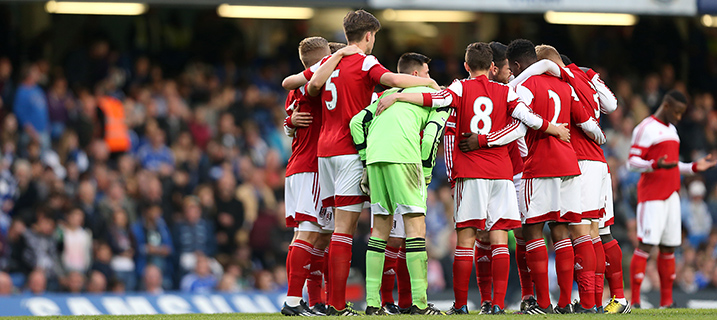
[(449, 138), (651, 140), (552, 99), (483, 107), (303, 146), (585, 148), (346, 93)]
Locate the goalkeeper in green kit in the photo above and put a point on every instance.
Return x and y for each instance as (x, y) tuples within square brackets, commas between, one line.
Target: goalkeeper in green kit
[(398, 164)]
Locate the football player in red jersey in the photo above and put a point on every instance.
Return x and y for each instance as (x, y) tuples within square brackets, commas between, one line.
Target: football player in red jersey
[(550, 189), (484, 190), (347, 89), (499, 72), (303, 209), (655, 154)]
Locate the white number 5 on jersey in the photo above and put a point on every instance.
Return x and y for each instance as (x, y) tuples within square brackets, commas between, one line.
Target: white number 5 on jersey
[(482, 108), (331, 87)]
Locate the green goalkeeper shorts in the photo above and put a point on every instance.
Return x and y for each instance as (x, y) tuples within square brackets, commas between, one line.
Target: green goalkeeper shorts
[(396, 188)]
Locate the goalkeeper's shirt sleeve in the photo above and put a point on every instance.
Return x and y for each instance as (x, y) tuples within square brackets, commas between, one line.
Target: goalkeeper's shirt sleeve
[(432, 133), (359, 129)]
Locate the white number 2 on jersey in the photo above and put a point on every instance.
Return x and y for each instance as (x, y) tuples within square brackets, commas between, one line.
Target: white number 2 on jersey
[(556, 102), (482, 115), (332, 88)]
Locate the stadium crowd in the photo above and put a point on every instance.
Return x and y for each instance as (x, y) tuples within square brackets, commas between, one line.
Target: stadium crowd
[(195, 203)]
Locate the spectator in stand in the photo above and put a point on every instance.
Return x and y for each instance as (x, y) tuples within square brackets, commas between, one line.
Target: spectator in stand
[(97, 282), (6, 85), (154, 243), (230, 213), (193, 235), (37, 249), (76, 242), (102, 261), (27, 193), (116, 199), (153, 280), (123, 247), (156, 156), (59, 102), (6, 287), (201, 280), (695, 214), (74, 282), (87, 202), (30, 107), (37, 282)]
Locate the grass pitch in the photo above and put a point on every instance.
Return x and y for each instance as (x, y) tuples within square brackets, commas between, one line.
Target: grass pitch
[(652, 314)]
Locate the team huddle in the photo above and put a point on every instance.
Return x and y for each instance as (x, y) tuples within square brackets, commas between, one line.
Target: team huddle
[(522, 148)]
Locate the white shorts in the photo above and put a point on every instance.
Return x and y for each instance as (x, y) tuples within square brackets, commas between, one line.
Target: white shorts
[(485, 204), (608, 218), (398, 230), (301, 198), (339, 177), (550, 199), (659, 222), (516, 183), (594, 185), (326, 220)]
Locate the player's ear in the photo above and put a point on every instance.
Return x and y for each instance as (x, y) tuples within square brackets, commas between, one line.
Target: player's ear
[(414, 73), (465, 65)]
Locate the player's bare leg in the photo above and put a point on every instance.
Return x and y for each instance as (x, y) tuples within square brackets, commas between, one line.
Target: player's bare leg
[(462, 265), (536, 257), (482, 257), (526, 284), (584, 264), (340, 255), (375, 257), (416, 259), (500, 268)]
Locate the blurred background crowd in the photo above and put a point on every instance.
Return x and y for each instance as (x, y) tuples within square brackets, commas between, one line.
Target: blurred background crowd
[(188, 193)]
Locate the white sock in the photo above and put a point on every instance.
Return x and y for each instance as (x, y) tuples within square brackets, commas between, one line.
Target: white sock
[(621, 301), (293, 301)]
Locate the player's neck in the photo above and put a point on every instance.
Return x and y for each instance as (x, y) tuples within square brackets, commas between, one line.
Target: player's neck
[(476, 74), (660, 115), (363, 45)]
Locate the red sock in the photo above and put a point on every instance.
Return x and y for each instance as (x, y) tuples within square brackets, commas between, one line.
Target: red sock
[(564, 266), (389, 275), (666, 269), (613, 269), (288, 264), (500, 266), (599, 270), (404, 281), (316, 277), (462, 265), (637, 273), (300, 259), (339, 265), (536, 256), (483, 269), (585, 270), (526, 285), (326, 275)]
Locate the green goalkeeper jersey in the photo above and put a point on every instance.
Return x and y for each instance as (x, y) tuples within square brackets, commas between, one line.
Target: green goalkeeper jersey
[(395, 135)]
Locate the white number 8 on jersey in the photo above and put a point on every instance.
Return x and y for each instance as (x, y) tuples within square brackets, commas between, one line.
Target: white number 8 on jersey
[(482, 108)]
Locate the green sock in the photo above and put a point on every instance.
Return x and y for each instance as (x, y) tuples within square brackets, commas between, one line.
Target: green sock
[(417, 259), (375, 256)]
